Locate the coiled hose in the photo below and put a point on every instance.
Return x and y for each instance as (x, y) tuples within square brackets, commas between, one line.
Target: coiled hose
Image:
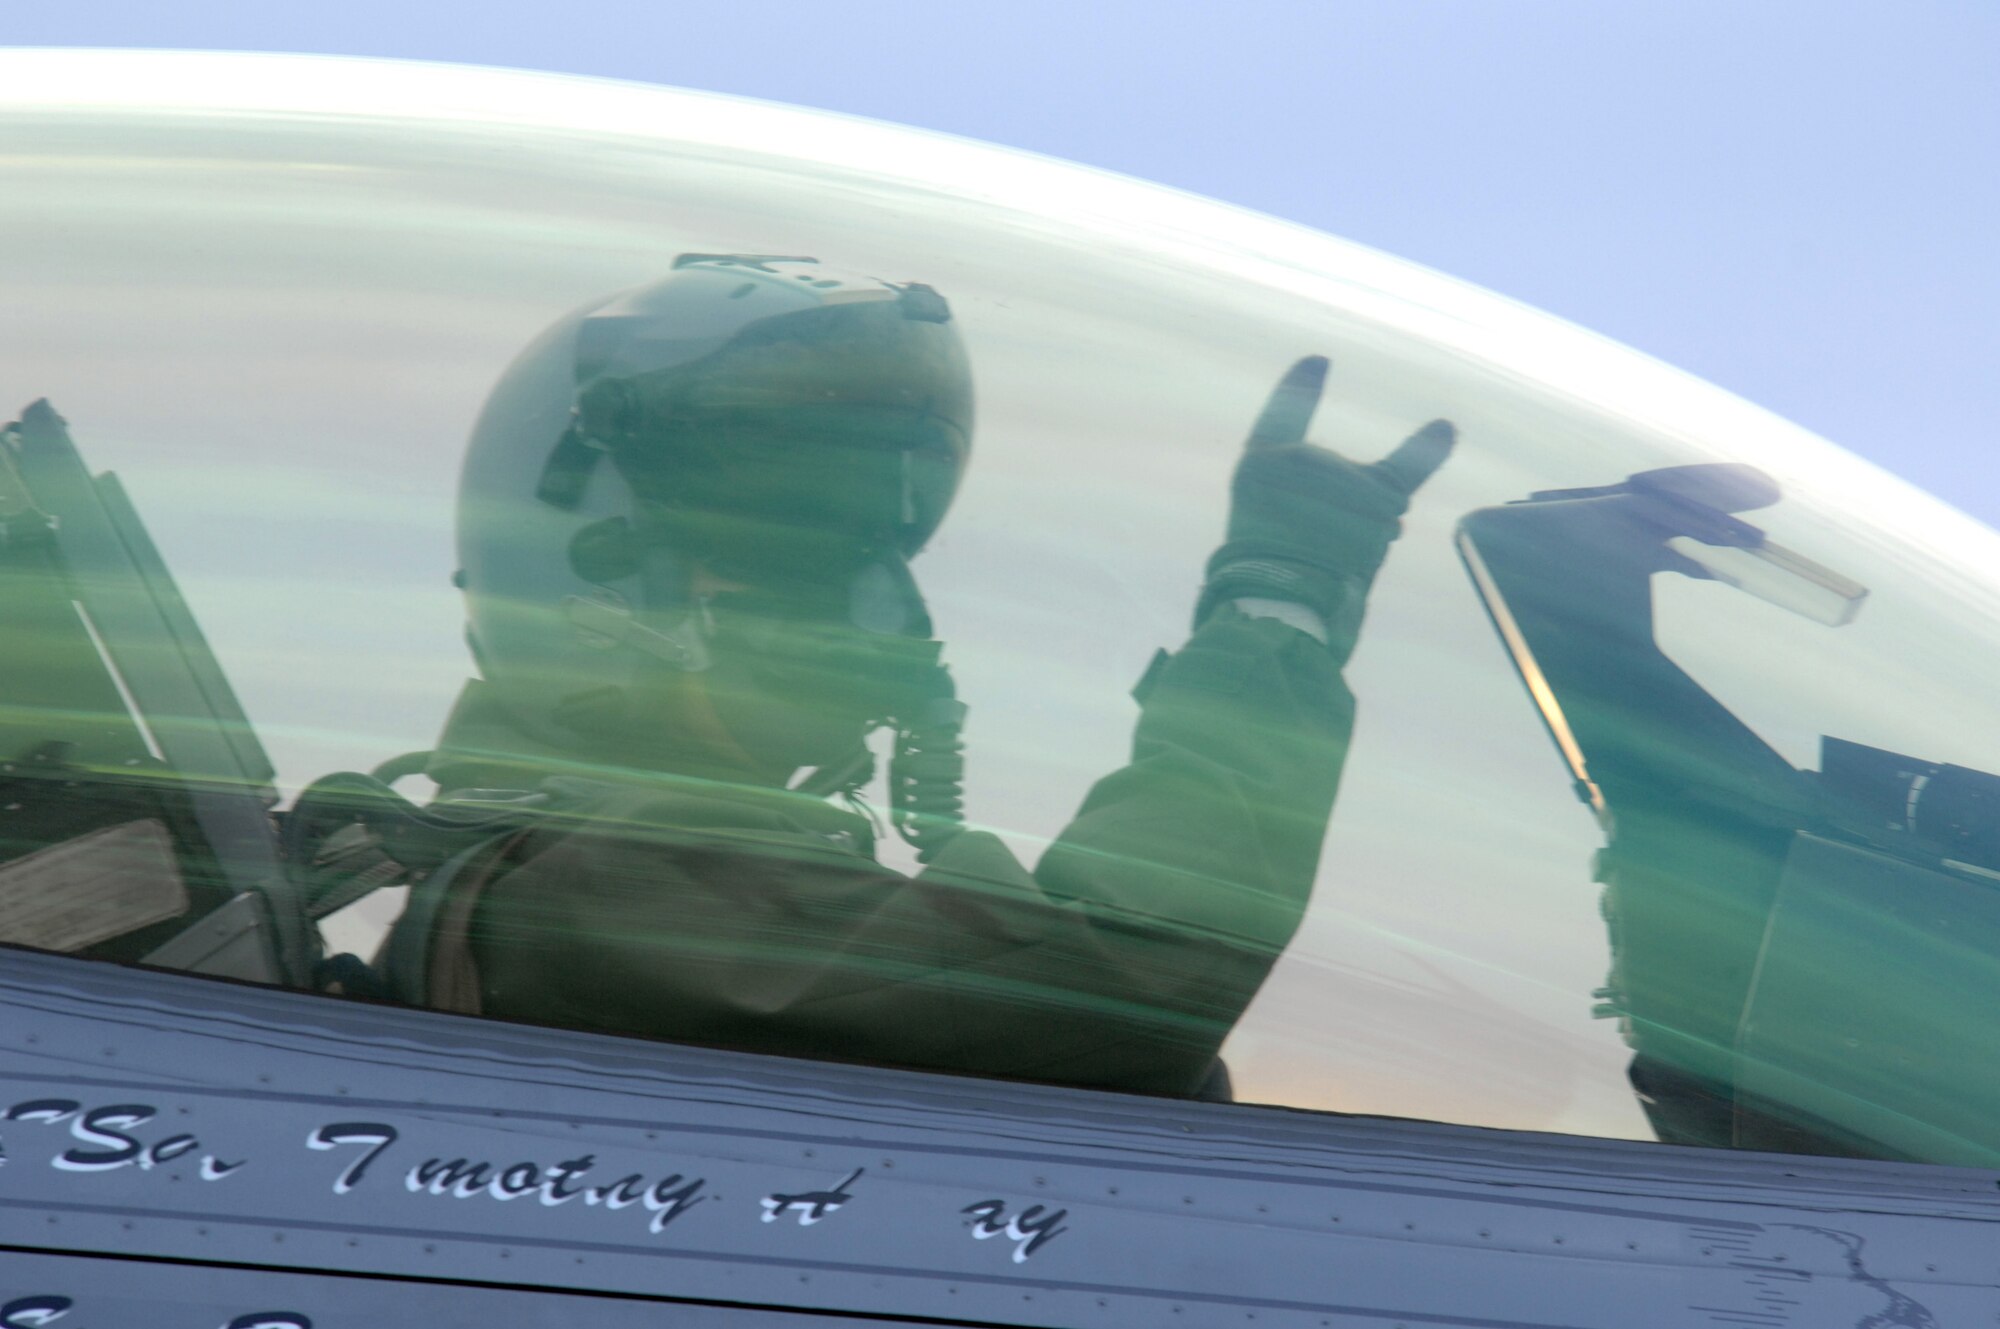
[(927, 772)]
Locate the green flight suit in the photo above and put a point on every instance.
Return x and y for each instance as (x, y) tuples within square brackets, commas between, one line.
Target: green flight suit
[(753, 918)]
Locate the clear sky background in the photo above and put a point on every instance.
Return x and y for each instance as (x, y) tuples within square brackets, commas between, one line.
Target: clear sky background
[(1796, 199)]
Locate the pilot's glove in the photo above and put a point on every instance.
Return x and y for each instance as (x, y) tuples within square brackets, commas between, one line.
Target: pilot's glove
[(1307, 526)]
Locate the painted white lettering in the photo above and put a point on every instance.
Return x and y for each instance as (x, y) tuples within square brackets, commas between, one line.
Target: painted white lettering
[(214, 1169), (167, 1150), (515, 1182), (1030, 1230), (671, 1198), (33, 1312), (105, 1128), (624, 1191), (555, 1186), (46, 1110), (810, 1206), (375, 1135), (458, 1178)]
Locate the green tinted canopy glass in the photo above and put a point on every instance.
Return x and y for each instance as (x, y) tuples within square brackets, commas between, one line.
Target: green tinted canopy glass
[(699, 570)]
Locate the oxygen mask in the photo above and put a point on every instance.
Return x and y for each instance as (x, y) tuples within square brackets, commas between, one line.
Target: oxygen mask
[(856, 644)]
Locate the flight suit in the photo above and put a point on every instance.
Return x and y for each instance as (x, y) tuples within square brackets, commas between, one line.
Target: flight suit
[(756, 919)]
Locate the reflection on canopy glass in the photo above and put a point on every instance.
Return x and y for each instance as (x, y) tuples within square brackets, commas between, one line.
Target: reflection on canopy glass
[(880, 615)]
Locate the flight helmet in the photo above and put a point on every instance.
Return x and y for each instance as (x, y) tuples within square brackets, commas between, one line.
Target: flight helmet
[(722, 474)]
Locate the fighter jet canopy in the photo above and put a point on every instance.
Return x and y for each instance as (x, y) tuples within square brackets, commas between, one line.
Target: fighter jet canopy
[(1662, 738)]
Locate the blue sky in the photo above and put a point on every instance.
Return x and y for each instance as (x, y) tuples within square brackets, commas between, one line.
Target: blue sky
[(1794, 200)]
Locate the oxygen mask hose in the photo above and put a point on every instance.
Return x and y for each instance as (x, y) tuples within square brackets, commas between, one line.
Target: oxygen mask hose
[(927, 771)]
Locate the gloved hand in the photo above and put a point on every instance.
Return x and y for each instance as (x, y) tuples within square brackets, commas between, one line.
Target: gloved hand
[(1306, 525)]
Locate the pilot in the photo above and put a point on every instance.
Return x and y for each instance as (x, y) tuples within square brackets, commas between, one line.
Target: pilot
[(687, 521)]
